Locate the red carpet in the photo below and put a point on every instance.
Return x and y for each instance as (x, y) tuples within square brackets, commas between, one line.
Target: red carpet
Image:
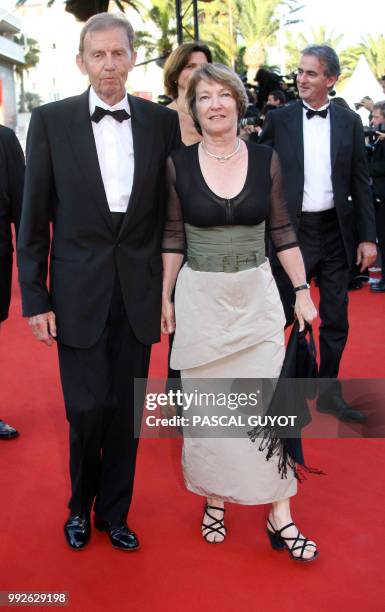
[(176, 569)]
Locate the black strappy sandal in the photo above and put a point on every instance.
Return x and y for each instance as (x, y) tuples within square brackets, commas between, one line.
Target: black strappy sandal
[(279, 542), (218, 525)]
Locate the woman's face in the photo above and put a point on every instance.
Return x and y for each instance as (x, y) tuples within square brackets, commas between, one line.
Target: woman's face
[(195, 60), (216, 108)]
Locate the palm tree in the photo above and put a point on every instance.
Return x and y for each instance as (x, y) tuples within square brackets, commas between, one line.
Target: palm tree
[(374, 51), (31, 59), (295, 44), (258, 24), (217, 28), (162, 14)]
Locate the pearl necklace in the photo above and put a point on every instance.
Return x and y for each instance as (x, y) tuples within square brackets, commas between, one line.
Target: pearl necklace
[(222, 158)]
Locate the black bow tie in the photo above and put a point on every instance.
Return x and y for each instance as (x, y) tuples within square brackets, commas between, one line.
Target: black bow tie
[(98, 114), (312, 113)]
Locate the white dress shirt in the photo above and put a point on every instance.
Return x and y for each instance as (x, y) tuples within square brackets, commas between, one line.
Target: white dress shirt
[(318, 189), (115, 151)]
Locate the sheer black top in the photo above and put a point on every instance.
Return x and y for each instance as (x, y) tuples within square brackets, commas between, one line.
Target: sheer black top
[(190, 200)]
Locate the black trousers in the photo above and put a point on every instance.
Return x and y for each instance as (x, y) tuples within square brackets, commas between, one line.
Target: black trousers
[(98, 387), (324, 256), (380, 230)]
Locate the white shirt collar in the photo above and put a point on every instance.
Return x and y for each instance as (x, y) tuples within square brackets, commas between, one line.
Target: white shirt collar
[(94, 100)]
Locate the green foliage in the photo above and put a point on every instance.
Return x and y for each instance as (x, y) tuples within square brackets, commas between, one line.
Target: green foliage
[(31, 101), (162, 15), (295, 44), (31, 53), (374, 51)]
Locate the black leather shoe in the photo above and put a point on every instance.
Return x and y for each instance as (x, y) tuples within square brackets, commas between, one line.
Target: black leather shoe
[(378, 287), (355, 283), (77, 530), (120, 535), (337, 406), (7, 432)]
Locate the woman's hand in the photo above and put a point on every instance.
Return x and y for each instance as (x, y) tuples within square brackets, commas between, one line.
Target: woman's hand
[(167, 324), (304, 308)]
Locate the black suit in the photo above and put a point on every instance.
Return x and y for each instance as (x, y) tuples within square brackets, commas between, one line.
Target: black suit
[(377, 172), (105, 285), (327, 240), (11, 193)]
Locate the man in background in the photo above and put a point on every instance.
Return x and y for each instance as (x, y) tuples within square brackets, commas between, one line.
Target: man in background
[(377, 173), (277, 98), (327, 187), (11, 193)]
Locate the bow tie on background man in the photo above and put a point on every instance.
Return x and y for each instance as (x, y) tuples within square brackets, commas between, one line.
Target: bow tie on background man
[(98, 114), (312, 113)]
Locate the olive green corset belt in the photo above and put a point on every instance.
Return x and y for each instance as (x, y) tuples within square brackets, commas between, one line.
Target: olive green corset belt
[(227, 248)]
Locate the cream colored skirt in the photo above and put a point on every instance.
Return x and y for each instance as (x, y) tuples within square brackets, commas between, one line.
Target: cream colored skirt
[(229, 325)]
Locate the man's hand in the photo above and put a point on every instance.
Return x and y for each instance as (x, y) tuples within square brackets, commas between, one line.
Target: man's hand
[(366, 255), (43, 327), (381, 135)]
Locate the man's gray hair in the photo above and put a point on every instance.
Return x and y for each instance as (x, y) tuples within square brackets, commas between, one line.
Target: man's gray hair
[(107, 21), (327, 56)]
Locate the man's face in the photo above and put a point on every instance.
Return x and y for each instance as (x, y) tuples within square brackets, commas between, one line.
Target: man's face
[(107, 59), (273, 101), (313, 84), (377, 118)]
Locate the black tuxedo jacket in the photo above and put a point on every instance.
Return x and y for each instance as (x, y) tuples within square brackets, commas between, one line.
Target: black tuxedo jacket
[(64, 183), (350, 176), (377, 169), (11, 194)]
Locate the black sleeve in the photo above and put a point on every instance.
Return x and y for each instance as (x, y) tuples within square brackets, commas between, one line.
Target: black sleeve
[(11, 193), (174, 140), (377, 163), (15, 173), (173, 233), (282, 233), (34, 234), (360, 188)]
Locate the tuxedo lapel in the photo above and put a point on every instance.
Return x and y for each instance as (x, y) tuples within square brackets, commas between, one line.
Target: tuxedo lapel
[(84, 149), (295, 128), (337, 127), (142, 137)]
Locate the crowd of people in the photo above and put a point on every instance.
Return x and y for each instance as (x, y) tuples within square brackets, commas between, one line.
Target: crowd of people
[(188, 221)]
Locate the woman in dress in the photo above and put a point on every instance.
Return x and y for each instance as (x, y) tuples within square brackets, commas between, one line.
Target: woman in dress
[(178, 68), (229, 317)]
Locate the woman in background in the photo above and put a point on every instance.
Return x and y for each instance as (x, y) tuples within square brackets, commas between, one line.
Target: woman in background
[(177, 70)]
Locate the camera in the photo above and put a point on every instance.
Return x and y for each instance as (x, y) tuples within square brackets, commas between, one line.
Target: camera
[(256, 121), (370, 132)]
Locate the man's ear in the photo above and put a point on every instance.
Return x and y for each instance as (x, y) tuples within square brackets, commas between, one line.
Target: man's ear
[(80, 64), (331, 82)]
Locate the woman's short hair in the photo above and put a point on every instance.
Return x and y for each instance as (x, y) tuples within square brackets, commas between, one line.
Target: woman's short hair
[(219, 73), (107, 21), (177, 61)]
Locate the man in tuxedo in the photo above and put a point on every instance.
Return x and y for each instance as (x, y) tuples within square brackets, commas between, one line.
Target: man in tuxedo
[(327, 187), (11, 193), (95, 166), (377, 173)]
